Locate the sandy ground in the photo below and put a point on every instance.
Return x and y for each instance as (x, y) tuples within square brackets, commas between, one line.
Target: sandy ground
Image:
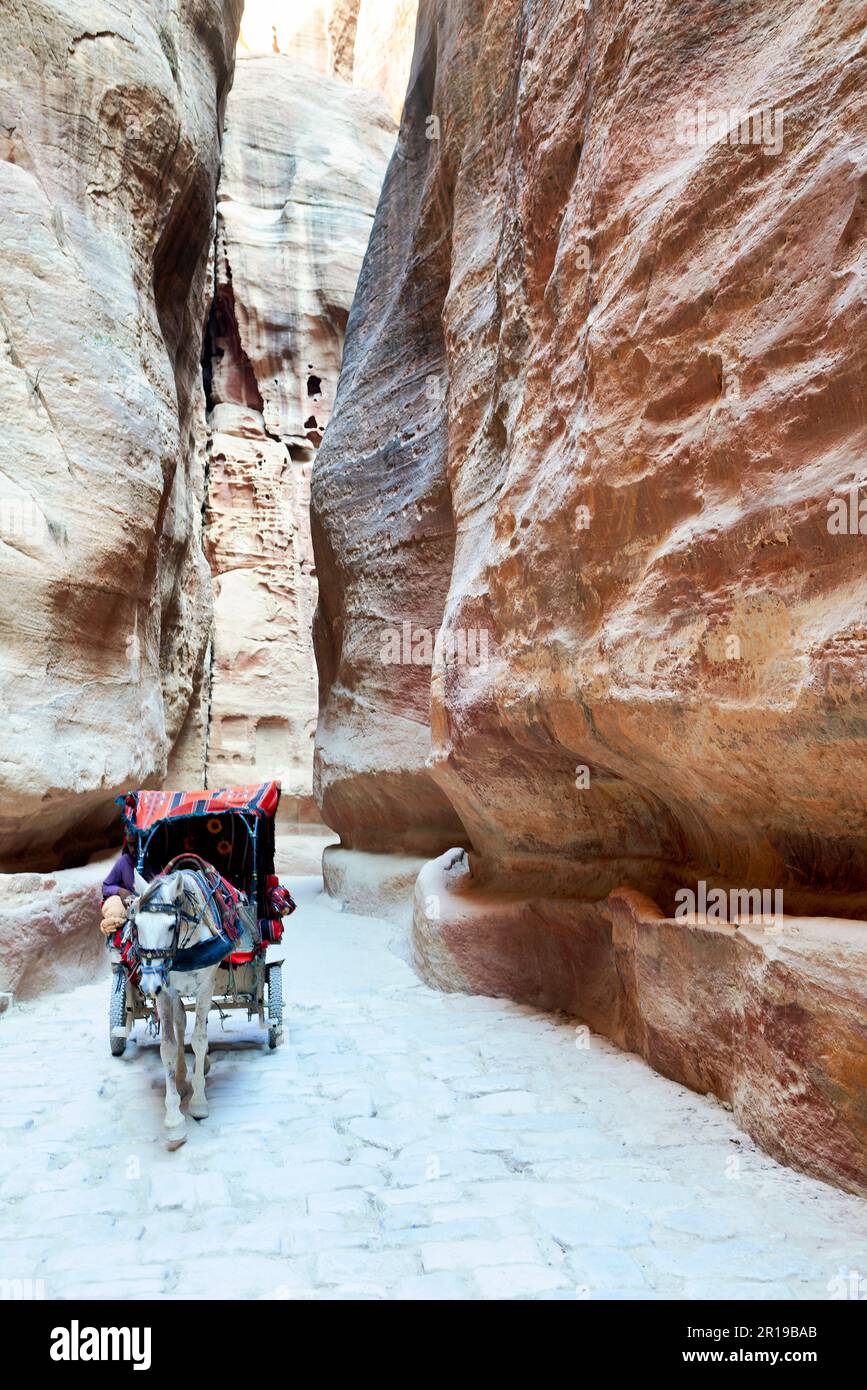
[(402, 1143)]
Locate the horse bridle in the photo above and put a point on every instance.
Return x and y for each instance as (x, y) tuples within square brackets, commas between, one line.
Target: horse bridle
[(163, 953)]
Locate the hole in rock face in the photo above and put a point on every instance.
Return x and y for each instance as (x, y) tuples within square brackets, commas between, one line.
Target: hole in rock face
[(314, 385), (311, 423)]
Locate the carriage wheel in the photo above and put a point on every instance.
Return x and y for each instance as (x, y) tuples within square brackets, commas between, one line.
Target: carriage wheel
[(117, 1013), (274, 979)]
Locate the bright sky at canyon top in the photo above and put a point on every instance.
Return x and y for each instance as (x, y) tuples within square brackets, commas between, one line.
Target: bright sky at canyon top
[(262, 19)]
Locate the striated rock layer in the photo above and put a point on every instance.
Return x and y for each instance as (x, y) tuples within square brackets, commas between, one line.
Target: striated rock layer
[(109, 152), (303, 161), (602, 381)]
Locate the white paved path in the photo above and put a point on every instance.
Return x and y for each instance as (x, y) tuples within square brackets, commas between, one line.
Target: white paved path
[(402, 1143)]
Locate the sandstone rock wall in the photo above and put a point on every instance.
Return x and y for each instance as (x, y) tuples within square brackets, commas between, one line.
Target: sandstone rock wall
[(109, 153), (303, 160), (626, 485), (49, 929), (382, 523), (602, 380)]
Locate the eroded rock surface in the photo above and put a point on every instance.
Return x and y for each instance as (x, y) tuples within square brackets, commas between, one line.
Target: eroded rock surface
[(49, 929), (602, 380), (109, 153)]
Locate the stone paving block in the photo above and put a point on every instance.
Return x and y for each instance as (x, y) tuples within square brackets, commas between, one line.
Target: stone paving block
[(325, 1177), (472, 1254), (347, 1202), (313, 1239), (598, 1269), (324, 1146), (250, 1276), (585, 1223), (478, 1228), (188, 1191), (734, 1260), (433, 1287), (709, 1288), (111, 1290), (487, 1083), (404, 1216), (463, 1167), (506, 1103), (371, 1269), (392, 1135), (518, 1281), (43, 1208), (437, 1190), (353, 1103)]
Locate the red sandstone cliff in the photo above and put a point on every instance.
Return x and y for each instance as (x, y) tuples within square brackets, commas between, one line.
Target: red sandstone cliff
[(603, 380)]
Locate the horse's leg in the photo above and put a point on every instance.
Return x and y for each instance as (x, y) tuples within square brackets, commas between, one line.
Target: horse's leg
[(198, 1105), (175, 1123), (183, 1085)]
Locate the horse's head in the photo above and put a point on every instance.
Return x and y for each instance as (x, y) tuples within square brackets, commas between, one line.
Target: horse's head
[(155, 923)]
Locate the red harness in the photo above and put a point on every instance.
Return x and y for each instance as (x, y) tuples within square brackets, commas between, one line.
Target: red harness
[(225, 895)]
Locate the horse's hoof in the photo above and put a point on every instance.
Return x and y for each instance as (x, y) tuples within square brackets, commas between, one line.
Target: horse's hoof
[(175, 1139), (198, 1109)]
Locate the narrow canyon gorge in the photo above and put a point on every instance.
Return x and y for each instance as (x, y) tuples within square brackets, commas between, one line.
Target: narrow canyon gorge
[(413, 403), (302, 165), (241, 194)]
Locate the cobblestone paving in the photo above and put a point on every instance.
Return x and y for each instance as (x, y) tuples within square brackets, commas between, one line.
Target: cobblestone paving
[(402, 1143)]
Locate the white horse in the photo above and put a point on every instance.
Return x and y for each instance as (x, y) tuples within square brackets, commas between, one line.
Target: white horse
[(171, 915)]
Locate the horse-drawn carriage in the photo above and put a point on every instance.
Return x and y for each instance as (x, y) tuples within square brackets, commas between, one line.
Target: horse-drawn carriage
[(231, 829)]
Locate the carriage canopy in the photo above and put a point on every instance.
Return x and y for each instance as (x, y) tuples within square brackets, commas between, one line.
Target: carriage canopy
[(143, 810), (229, 827)]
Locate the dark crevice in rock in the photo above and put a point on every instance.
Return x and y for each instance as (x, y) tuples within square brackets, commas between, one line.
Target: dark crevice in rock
[(227, 370)]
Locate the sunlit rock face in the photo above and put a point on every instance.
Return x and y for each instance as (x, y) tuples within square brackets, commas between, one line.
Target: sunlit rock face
[(109, 154), (303, 161), (300, 32), (601, 383), (364, 42), (384, 34)]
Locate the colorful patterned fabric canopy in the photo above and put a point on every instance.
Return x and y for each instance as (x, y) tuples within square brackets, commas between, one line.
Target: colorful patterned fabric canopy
[(142, 810)]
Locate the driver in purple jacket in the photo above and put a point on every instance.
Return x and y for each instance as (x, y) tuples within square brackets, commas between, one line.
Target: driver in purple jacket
[(118, 887)]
